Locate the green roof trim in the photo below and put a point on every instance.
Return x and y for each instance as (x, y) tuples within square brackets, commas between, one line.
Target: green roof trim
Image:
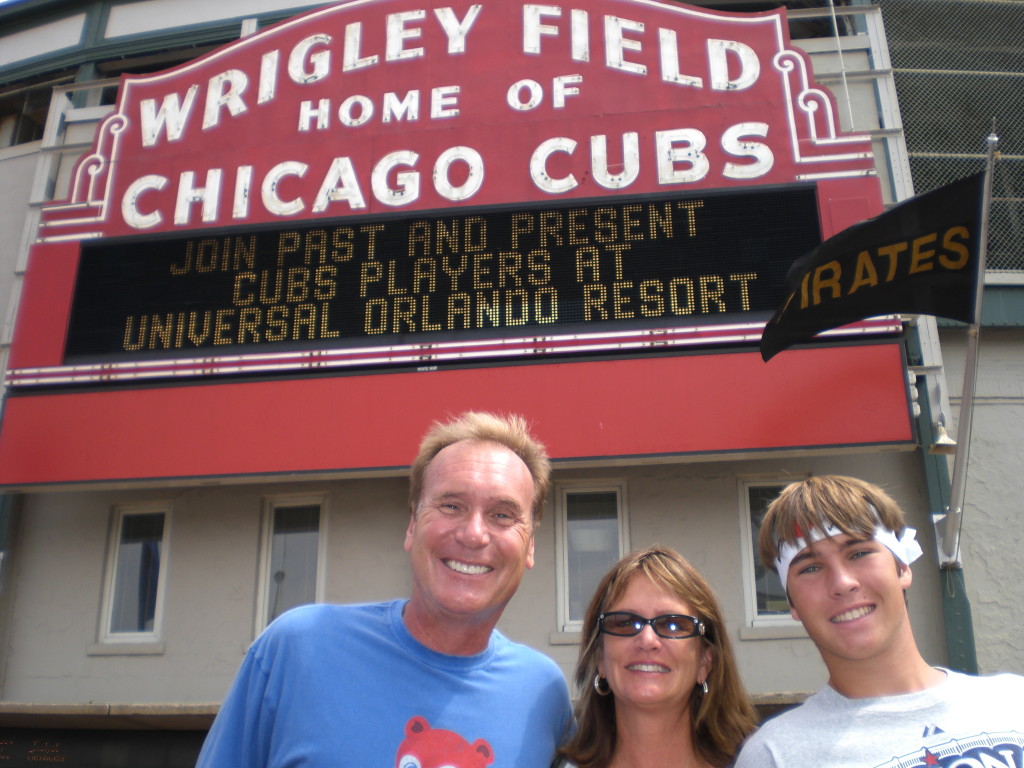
[(1002, 307)]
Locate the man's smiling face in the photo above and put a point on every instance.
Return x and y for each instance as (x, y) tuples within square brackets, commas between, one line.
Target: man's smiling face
[(848, 592), (471, 536)]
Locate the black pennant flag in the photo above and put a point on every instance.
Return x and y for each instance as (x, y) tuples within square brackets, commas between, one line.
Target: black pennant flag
[(920, 257)]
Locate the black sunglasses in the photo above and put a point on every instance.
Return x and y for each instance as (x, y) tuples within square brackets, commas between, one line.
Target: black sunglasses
[(673, 626)]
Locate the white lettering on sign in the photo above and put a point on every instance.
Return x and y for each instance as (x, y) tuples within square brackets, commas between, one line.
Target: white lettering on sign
[(243, 184), (398, 33), (171, 116), (340, 184), (351, 58), (188, 193), (311, 71), (626, 49), (271, 182), (539, 166), (533, 27), (561, 87), (474, 177), (733, 143), (268, 76), (358, 109), (457, 175), (677, 154), (305, 67), (630, 161), (311, 60), (225, 91), (130, 210), (718, 62), (407, 183), (686, 146), (616, 44), (456, 30), (395, 109), (669, 48), (444, 102)]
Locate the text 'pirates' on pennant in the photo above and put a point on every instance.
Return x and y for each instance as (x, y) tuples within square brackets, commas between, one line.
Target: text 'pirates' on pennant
[(920, 257)]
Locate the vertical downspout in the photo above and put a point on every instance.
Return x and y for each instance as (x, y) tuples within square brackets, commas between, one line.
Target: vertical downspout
[(956, 608), (8, 531), (92, 36)]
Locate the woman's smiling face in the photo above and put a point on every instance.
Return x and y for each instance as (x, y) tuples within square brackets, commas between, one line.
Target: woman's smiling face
[(647, 670)]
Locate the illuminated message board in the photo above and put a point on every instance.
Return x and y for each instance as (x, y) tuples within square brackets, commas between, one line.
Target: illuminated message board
[(642, 262)]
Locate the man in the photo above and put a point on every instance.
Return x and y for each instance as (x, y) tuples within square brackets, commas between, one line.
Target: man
[(843, 552), (428, 681)]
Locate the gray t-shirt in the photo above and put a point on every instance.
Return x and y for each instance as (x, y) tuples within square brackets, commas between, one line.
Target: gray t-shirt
[(966, 722)]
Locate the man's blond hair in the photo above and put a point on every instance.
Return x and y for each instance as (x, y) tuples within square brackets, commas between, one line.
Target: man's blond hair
[(510, 431)]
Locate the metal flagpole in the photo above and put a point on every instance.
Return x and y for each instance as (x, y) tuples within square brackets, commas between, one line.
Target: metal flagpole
[(957, 492), (842, 64)]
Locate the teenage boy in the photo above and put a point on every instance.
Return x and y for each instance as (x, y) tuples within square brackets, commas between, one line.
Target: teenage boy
[(843, 552)]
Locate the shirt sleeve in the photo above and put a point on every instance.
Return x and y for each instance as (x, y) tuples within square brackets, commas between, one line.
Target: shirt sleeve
[(756, 754), (241, 733)]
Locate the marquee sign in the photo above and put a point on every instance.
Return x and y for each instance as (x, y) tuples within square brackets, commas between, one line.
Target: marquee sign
[(312, 194), (491, 273), (410, 187)]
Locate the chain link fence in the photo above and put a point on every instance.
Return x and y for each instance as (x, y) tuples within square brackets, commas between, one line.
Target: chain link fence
[(958, 66)]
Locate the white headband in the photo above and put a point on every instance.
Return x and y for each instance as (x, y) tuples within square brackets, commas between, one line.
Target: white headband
[(905, 548)]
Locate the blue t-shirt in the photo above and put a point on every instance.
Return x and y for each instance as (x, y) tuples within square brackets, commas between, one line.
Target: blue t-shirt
[(347, 685)]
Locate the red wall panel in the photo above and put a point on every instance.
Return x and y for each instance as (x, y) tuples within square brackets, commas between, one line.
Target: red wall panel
[(638, 407)]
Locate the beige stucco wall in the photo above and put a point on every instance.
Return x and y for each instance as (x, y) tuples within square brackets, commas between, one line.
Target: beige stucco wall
[(212, 558), (992, 537)]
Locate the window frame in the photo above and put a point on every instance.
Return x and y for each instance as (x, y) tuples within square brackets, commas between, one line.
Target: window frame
[(107, 635), (270, 505), (562, 491), (752, 617)]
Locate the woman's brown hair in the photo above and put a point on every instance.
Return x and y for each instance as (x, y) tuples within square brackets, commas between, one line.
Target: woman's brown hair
[(721, 719)]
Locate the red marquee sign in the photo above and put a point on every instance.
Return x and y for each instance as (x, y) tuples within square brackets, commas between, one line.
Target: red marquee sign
[(442, 113), (380, 106), (386, 182), (458, 182)]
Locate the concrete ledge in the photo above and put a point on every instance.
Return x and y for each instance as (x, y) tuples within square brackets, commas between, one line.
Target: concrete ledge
[(789, 698), (138, 717), (774, 632), (125, 649), (770, 704), (199, 716), (564, 638)]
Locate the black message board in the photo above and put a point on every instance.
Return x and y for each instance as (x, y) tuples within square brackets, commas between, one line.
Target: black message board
[(509, 272)]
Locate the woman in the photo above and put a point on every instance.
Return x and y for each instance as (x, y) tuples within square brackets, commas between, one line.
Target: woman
[(656, 675)]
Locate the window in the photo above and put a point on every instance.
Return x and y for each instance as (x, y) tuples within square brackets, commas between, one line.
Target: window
[(766, 599), (591, 530), (23, 109), (135, 574), (290, 574)]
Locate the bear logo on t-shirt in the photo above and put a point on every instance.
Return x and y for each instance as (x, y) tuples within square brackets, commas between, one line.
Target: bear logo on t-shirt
[(426, 747)]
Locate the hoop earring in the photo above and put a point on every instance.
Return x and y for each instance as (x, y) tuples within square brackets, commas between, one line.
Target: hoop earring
[(597, 685), (703, 687)]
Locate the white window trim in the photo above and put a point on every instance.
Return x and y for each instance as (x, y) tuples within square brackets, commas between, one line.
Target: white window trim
[(108, 637), (270, 503), (753, 618), (562, 490)]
